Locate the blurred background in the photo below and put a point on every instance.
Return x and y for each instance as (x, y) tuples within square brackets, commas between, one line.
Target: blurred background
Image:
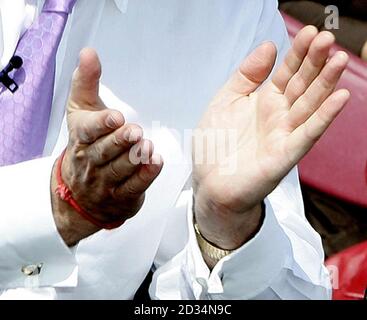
[(334, 174)]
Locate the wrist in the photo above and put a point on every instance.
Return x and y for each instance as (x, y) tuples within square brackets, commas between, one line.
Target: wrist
[(70, 225), (225, 229)]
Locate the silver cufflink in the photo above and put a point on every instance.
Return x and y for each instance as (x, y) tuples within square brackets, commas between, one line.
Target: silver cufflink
[(32, 269)]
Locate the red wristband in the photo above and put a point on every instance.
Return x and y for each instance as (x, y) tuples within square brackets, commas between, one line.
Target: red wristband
[(65, 194)]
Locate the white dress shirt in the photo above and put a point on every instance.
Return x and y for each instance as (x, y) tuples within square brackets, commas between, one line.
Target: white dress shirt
[(162, 62)]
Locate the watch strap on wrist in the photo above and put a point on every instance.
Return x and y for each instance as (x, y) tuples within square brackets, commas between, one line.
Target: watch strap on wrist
[(208, 248)]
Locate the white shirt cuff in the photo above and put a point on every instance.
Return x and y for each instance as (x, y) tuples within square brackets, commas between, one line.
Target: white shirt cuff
[(244, 273), (28, 234)]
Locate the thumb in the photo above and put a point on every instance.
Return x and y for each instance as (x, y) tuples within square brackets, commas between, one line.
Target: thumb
[(254, 70), (85, 82)]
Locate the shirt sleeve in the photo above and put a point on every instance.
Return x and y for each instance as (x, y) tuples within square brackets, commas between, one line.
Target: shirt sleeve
[(29, 241), (285, 260), (28, 236), (266, 267)]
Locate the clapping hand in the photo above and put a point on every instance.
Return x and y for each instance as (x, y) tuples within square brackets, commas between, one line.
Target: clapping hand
[(99, 167), (276, 124)]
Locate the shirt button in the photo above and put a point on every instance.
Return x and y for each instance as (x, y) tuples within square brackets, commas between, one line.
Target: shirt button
[(32, 269)]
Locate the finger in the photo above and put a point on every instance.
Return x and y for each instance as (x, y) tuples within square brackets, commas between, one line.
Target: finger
[(125, 165), (116, 143), (319, 90), (254, 70), (305, 136), (294, 57), (88, 126), (311, 66), (85, 82), (141, 180)]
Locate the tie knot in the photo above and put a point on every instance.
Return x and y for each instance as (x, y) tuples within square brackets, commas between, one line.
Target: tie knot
[(65, 6)]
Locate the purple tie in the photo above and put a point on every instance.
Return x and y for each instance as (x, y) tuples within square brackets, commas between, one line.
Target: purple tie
[(25, 113)]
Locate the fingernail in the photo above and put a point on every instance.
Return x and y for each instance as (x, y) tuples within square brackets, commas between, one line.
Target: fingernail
[(342, 57), (134, 135), (156, 159), (111, 122), (345, 94)]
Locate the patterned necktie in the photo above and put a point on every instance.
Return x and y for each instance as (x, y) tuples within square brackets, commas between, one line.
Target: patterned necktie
[(25, 113)]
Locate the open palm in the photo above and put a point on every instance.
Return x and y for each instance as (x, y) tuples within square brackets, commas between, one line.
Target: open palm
[(274, 126)]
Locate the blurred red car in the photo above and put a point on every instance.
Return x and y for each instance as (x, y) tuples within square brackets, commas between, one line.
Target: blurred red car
[(337, 165)]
